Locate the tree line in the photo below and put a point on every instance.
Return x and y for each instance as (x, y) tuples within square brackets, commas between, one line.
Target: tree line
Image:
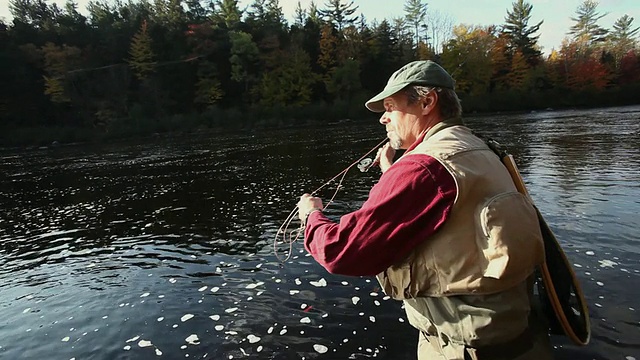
[(154, 65)]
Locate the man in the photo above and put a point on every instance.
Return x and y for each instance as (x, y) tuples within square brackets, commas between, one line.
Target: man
[(444, 229)]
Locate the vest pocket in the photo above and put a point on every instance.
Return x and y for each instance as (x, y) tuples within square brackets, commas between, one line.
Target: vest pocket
[(395, 281), (512, 243)]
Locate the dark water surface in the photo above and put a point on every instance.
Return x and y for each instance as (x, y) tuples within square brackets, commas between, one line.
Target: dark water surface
[(164, 249)]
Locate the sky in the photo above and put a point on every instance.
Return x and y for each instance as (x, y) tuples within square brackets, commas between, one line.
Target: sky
[(555, 13)]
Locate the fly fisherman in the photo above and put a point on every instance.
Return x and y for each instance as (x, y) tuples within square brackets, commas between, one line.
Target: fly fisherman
[(444, 229)]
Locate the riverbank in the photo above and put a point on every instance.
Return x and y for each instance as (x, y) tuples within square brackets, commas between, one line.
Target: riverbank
[(219, 120)]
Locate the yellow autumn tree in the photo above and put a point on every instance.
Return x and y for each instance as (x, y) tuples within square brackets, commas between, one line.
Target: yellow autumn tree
[(58, 60)]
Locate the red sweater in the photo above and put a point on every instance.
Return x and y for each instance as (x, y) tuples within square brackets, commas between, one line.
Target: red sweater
[(410, 202)]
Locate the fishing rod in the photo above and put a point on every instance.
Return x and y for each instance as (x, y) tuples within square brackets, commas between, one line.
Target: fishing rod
[(364, 164)]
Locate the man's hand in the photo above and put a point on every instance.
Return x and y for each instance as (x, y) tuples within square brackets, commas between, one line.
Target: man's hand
[(306, 205), (385, 156)]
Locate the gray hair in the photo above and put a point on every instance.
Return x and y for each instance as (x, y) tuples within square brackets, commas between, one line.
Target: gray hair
[(448, 100)]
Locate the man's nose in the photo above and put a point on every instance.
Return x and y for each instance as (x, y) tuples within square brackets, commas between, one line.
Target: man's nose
[(384, 119)]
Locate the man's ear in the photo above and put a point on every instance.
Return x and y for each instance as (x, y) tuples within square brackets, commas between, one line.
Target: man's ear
[(429, 102)]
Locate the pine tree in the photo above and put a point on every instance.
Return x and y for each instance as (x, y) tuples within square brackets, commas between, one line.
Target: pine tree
[(300, 17), (141, 54), (339, 14), (521, 35), (415, 12), (622, 38), (586, 31)]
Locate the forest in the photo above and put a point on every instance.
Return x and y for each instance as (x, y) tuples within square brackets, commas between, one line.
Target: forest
[(141, 67)]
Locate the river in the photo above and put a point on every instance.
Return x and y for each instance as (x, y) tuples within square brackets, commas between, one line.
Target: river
[(164, 248)]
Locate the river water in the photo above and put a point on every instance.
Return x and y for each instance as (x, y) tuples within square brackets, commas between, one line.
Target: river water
[(165, 248)]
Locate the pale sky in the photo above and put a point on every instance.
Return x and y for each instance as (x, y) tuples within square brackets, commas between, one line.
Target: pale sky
[(555, 13)]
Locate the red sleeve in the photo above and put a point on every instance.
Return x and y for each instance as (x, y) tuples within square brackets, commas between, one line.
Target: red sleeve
[(409, 203)]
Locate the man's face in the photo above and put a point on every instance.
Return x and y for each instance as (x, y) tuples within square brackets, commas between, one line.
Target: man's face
[(401, 121)]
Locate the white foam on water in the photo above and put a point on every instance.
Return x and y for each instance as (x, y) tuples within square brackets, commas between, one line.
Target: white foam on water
[(344, 283), (258, 266), (278, 281), (144, 343), (372, 319), (325, 315), (259, 293), (598, 305), (259, 348), (186, 317), (270, 330), (219, 327), (253, 339), (215, 289), (590, 253), (183, 347), (175, 326), (607, 263), (320, 283), (320, 348), (305, 320), (65, 339), (297, 281), (630, 358), (26, 310), (283, 331), (172, 280), (158, 352), (355, 300), (193, 339), (160, 296), (230, 310), (345, 340), (401, 320), (160, 318), (373, 294), (214, 317), (218, 270), (253, 286), (202, 289), (361, 314), (231, 332), (104, 317), (387, 297), (145, 295), (376, 302), (133, 339), (127, 348), (600, 283), (577, 265), (293, 292), (303, 306)]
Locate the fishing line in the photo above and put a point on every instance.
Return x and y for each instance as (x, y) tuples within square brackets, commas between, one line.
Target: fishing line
[(289, 237)]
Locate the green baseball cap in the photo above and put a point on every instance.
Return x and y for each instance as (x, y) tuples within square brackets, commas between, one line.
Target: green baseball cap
[(423, 72)]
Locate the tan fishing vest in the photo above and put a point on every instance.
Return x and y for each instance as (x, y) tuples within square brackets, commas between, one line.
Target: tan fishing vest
[(491, 240)]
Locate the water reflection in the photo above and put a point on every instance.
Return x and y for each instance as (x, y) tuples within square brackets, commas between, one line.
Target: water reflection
[(166, 247)]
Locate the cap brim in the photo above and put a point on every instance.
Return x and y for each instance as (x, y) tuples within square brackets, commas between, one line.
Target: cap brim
[(376, 103)]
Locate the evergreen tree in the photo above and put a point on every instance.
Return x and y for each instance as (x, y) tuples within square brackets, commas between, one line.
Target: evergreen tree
[(586, 31), (520, 34), (228, 13), (415, 13), (314, 13), (300, 17), (339, 14), (141, 54), (622, 38)]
